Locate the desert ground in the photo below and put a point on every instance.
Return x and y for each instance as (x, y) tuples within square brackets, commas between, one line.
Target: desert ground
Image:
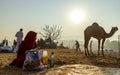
[(67, 62)]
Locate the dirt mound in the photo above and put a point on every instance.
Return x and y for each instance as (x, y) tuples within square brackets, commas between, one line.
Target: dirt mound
[(76, 70)]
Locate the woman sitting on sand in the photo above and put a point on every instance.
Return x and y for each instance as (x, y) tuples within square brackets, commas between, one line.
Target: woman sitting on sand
[(28, 44)]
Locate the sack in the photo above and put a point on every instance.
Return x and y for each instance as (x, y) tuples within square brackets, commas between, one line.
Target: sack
[(33, 60)]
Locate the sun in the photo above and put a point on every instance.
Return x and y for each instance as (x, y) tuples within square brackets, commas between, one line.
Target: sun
[(77, 16)]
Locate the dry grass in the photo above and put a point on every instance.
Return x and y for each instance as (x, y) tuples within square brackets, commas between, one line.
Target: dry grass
[(62, 57)]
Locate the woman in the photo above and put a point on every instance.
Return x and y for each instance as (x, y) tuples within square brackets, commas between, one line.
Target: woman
[(28, 44)]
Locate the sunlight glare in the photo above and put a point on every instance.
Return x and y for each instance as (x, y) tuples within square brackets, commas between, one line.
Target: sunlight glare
[(77, 16)]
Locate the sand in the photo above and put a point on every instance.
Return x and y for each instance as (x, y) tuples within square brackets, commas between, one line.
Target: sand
[(67, 62)]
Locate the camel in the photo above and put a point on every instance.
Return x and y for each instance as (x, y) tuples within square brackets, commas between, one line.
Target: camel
[(99, 33)]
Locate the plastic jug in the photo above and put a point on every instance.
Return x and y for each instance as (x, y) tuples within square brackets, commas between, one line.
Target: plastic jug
[(45, 58)]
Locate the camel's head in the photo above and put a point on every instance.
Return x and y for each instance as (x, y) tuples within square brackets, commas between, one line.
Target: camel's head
[(114, 28)]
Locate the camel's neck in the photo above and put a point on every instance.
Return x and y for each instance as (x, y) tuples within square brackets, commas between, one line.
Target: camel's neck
[(110, 34)]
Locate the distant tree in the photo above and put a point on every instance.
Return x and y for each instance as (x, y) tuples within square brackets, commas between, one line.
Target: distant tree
[(114, 45), (107, 43), (41, 43), (50, 44), (52, 32)]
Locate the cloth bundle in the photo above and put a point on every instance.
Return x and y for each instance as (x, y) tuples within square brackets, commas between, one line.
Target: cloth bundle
[(33, 60)]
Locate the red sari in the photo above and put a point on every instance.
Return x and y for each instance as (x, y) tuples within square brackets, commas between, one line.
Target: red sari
[(28, 44)]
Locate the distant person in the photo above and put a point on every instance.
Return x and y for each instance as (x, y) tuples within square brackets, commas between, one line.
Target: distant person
[(27, 44), (61, 45), (14, 44), (19, 36), (6, 42), (77, 46), (3, 43)]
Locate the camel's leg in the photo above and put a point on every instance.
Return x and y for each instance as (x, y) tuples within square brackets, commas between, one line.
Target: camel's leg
[(88, 51), (86, 46), (91, 48), (98, 47), (85, 51), (103, 46)]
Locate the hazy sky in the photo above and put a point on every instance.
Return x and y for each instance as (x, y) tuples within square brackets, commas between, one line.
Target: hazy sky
[(34, 14)]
